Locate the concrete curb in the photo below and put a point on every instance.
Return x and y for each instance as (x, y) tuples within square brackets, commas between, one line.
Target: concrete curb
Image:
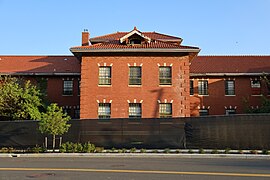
[(145, 155)]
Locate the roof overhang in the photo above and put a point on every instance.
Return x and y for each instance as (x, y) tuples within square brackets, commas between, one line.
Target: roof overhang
[(226, 74), (40, 74), (163, 50)]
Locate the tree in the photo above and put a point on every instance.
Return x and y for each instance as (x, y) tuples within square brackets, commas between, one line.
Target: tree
[(54, 122), (19, 99)]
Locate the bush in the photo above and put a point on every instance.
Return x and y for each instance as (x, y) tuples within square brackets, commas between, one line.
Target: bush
[(265, 151), (99, 149), (253, 152), (38, 149), (214, 151), (70, 147), (227, 150), (167, 151), (89, 148), (132, 150), (190, 151), (201, 151), (143, 151)]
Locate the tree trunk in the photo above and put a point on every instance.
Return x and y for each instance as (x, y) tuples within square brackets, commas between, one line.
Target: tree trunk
[(53, 143)]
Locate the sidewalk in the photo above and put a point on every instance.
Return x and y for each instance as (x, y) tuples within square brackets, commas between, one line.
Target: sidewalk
[(161, 155)]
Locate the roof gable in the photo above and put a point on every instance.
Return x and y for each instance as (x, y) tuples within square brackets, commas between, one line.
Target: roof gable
[(133, 32)]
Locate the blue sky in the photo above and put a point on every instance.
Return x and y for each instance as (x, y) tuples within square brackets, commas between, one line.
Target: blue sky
[(51, 27)]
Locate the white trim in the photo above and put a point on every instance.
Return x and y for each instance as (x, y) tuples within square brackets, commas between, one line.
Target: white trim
[(141, 64), (98, 101), (128, 101), (122, 39), (141, 101)]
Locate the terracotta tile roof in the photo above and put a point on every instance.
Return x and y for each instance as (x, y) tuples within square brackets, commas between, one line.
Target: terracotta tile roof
[(118, 35), (230, 64), (112, 42), (39, 64), (115, 44)]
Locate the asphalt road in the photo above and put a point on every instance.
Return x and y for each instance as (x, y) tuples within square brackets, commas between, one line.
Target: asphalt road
[(131, 168)]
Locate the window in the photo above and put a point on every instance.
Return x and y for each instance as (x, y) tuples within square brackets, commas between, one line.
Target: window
[(229, 87), (77, 113), (230, 111), (165, 110), (104, 75), (135, 75), (256, 87), (165, 75), (203, 112), (135, 110), (68, 87), (203, 87), (79, 87), (67, 111), (191, 87), (135, 41), (104, 110)]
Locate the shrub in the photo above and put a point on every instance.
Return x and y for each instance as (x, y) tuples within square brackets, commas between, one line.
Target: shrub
[(240, 151), (38, 149), (265, 151), (214, 151), (201, 151), (190, 151), (167, 151), (132, 150), (227, 150), (4, 150), (88, 147), (124, 150), (63, 148), (143, 151), (99, 149), (253, 152)]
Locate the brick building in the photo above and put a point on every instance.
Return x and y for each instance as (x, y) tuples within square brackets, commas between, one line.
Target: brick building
[(58, 76), (143, 74), (134, 74), (227, 84)]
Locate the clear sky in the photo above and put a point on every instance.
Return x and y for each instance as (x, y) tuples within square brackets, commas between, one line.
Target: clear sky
[(218, 27)]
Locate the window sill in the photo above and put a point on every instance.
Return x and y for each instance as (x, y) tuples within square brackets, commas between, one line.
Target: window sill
[(165, 85), (203, 95), (230, 95), (257, 95), (134, 85), (104, 85), (67, 95)]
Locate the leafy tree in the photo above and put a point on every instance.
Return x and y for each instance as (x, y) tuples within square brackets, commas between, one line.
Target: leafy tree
[(19, 99), (54, 122)]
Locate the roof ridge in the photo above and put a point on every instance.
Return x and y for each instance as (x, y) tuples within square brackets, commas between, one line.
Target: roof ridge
[(154, 32), (107, 35)]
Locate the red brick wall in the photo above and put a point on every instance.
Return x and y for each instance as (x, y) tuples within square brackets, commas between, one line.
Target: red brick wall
[(55, 91), (120, 92), (217, 100)]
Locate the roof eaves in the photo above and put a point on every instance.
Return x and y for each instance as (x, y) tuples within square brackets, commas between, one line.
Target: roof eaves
[(227, 74), (76, 50)]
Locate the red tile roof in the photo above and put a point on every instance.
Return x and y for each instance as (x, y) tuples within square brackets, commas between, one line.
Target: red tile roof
[(39, 64), (112, 42), (115, 44), (118, 35), (230, 64)]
